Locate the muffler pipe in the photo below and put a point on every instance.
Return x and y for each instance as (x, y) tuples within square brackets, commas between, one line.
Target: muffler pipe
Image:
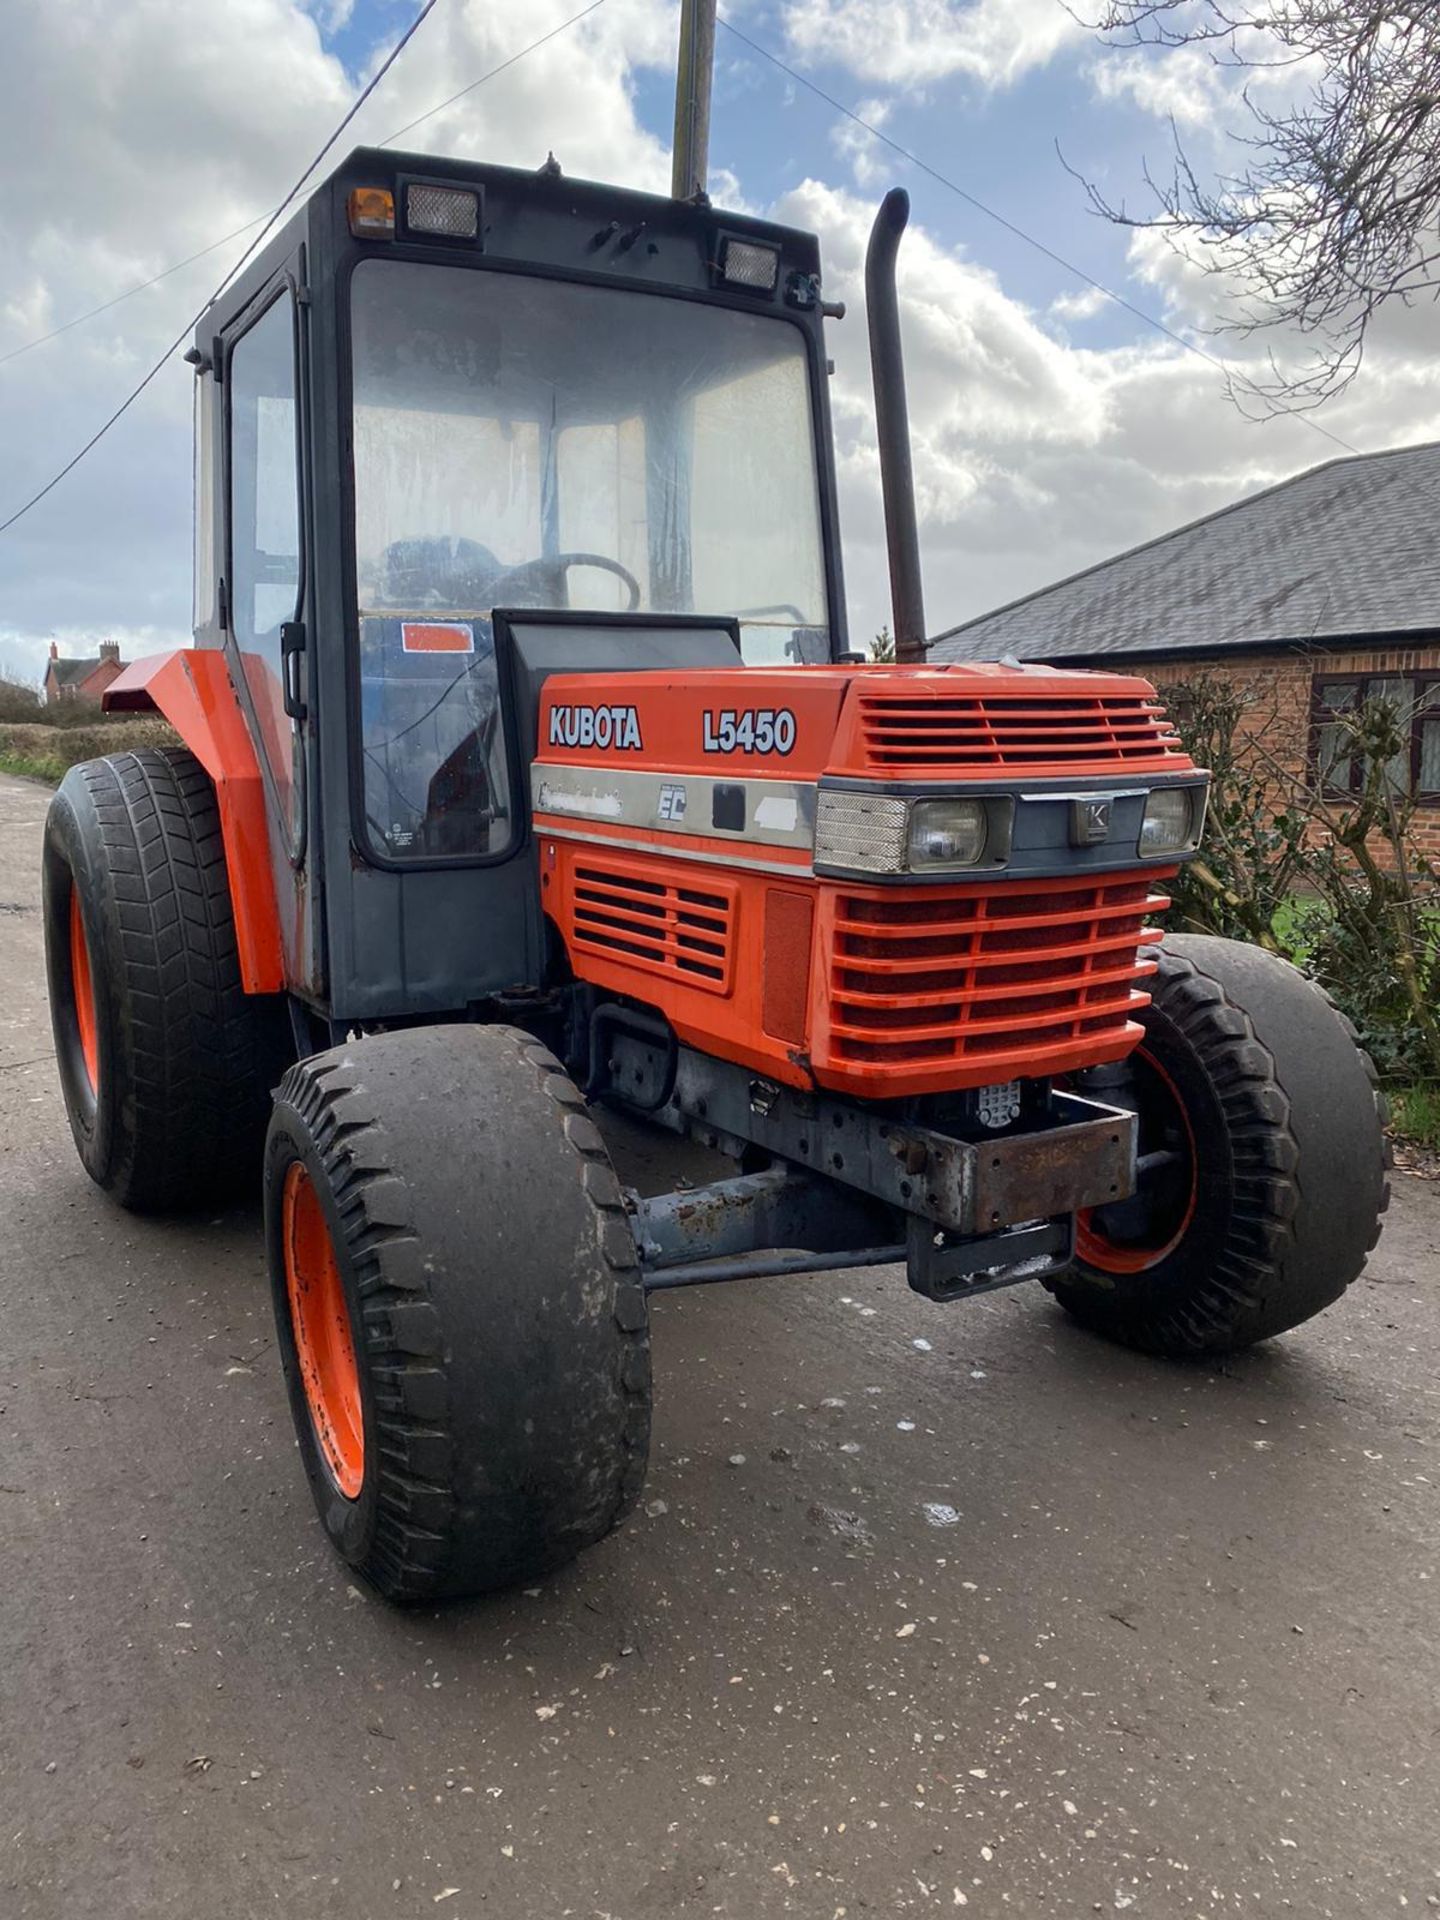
[(892, 427)]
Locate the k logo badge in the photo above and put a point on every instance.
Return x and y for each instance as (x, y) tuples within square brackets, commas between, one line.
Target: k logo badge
[(1090, 821)]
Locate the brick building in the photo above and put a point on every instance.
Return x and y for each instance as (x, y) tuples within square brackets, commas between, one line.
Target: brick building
[(81, 679), (1313, 596)]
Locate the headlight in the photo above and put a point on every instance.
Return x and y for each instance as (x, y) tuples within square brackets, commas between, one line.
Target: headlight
[(947, 833), (882, 833), (1173, 819)]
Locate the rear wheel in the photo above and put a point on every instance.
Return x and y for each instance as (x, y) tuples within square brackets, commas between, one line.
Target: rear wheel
[(1262, 1160), (459, 1308), (166, 1063)]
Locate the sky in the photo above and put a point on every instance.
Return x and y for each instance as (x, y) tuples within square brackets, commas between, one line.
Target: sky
[(1051, 427)]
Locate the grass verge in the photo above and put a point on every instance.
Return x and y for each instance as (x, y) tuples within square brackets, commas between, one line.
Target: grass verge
[(47, 767), (1415, 1112)]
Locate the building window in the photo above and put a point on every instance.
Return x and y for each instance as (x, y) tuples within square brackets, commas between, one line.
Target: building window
[(1415, 769)]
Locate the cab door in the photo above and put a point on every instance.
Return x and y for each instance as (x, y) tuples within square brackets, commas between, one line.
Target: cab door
[(266, 580)]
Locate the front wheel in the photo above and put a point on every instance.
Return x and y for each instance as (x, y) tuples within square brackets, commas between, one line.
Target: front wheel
[(459, 1308), (1262, 1160)]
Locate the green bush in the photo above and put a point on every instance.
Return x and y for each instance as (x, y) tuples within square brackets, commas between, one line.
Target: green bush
[(66, 715), (23, 705), (1331, 879), (1253, 852), (19, 702)]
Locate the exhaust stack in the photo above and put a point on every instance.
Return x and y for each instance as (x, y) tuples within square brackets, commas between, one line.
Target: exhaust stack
[(892, 426)]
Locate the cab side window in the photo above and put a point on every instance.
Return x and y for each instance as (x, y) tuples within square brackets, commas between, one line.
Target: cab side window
[(264, 505)]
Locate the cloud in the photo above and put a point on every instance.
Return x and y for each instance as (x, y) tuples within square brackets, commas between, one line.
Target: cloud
[(1184, 85), (1083, 304), (918, 42), (334, 15), (174, 131), (870, 163), (1034, 457), (1205, 86)]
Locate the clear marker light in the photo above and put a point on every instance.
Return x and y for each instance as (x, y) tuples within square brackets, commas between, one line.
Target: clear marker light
[(449, 211), (1173, 818), (861, 832), (747, 263)]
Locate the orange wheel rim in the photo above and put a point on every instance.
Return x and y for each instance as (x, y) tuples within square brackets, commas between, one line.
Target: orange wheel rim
[(83, 989), (320, 1320), (1097, 1249)]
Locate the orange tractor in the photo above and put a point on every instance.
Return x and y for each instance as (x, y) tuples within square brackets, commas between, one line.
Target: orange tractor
[(527, 780)]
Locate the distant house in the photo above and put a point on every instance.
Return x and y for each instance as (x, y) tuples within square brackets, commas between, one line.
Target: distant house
[(1315, 595), (81, 679)]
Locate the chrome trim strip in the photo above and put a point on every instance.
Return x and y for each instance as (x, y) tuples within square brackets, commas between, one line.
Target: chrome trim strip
[(777, 813), (1097, 792)]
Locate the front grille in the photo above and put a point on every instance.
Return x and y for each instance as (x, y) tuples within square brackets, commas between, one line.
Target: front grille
[(1039, 732), (623, 913), (1016, 971)]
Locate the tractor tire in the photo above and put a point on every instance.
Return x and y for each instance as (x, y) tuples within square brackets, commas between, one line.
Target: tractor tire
[(166, 1063), (460, 1315), (1266, 1127)]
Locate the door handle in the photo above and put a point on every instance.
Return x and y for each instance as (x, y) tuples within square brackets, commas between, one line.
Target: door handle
[(292, 655)]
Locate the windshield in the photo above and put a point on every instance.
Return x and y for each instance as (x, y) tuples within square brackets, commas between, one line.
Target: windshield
[(533, 443)]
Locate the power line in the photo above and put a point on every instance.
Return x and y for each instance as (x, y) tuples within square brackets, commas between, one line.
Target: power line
[(136, 391), (394, 54), (129, 293), (793, 73), (1019, 232), (430, 112), (390, 138)]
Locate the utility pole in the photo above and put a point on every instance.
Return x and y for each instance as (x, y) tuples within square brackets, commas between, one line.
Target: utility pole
[(690, 157)]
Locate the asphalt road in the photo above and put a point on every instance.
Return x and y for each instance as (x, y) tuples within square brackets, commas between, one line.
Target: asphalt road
[(927, 1608)]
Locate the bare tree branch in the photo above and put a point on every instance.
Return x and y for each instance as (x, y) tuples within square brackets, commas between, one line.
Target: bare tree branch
[(1336, 212)]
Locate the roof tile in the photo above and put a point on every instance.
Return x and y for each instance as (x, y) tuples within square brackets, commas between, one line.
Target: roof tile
[(1348, 549)]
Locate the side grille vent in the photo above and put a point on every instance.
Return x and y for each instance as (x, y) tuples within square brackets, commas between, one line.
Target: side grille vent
[(624, 913)]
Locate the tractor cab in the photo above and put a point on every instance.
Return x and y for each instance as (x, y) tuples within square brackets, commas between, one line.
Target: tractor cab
[(449, 389)]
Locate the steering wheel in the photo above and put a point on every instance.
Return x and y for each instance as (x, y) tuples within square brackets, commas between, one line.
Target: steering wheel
[(532, 573)]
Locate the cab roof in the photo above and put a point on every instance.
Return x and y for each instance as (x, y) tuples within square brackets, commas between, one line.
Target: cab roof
[(541, 219)]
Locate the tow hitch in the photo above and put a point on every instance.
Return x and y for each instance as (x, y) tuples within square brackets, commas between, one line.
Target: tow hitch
[(965, 1214)]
